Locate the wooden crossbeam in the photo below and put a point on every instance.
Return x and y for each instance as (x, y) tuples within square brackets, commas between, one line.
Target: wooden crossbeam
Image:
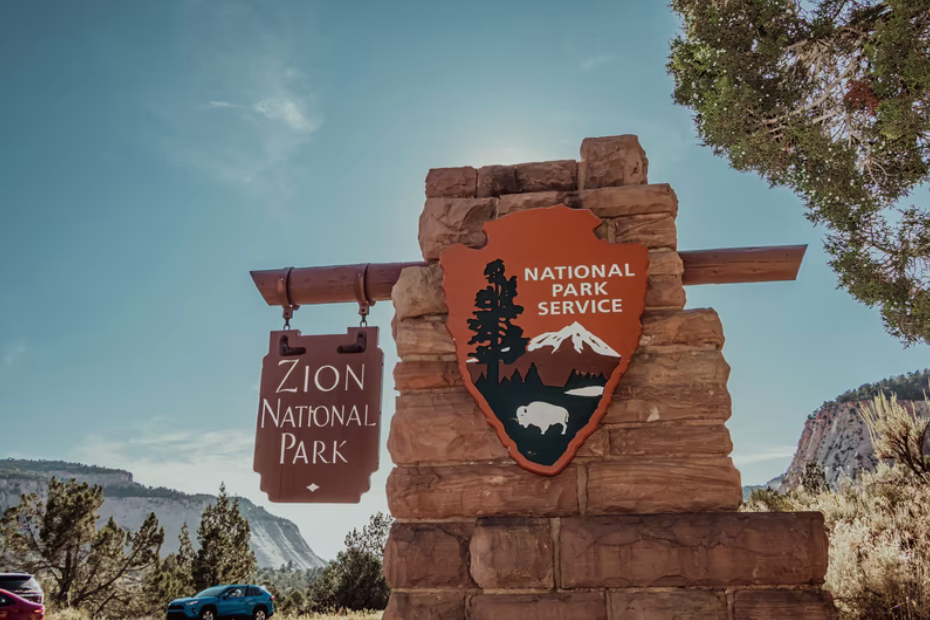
[(337, 284), (772, 263)]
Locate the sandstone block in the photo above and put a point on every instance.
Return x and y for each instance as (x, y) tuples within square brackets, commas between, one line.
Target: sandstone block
[(451, 182), (717, 550), (671, 439), (665, 264), (480, 490), (421, 375), (428, 555), (513, 203), (614, 202), (597, 445), (425, 606), (780, 604), (447, 221), (435, 428), (637, 400), (496, 180), (418, 292), (609, 202), (668, 605), (512, 553), (653, 485), (612, 161), (665, 292), (699, 327), (669, 367), (422, 336), (547, 176), (556, 606), (654, 230)]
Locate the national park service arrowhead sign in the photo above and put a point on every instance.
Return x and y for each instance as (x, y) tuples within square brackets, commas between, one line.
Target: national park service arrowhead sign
[(545, 319)]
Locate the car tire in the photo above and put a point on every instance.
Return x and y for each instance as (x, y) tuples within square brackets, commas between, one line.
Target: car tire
[(260, 614), (207, 614)]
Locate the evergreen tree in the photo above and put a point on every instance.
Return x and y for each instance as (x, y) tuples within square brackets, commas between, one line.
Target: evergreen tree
[(355, 581), (170, 578), (89, 568), (224, 555), (160, 585), (373, 536), (184, 562), (7, 536), (833, 102), (493, 322), (294, 602), (814, 479)]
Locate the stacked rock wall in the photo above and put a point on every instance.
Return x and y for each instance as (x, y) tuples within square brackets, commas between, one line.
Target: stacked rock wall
[(642, 525)]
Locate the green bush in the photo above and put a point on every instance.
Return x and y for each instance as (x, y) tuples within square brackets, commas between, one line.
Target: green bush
[(355, 581)]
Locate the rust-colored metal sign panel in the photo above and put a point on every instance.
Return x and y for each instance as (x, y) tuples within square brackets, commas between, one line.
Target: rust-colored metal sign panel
[(545, 319), (319, 416)]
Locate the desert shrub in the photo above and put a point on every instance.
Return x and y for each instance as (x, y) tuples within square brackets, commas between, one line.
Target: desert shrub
[(879, 526)]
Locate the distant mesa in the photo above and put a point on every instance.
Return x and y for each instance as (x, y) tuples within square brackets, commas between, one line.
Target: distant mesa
[(275, 540)]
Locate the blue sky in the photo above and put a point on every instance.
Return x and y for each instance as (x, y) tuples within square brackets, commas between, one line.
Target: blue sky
[(152, 154)]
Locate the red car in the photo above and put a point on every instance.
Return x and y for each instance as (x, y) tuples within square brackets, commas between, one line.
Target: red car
[(14, 607)]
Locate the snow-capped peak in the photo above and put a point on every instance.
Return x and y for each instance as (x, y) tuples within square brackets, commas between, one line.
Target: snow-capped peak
[(579, 335)]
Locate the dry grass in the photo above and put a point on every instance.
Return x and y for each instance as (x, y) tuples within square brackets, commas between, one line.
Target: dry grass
[(70, 614)]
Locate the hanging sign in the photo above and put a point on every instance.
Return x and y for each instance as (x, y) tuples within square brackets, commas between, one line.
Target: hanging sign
[(319, 416), (545, 319)]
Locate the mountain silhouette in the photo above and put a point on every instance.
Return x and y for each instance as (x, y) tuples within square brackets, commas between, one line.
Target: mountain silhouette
[(577, 335), (559, 355)]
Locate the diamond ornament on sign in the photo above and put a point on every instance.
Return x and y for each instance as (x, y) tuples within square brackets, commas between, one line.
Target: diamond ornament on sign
[(545, 319)]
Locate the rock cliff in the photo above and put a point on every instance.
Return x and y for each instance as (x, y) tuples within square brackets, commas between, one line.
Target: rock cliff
[(836, 438), (276, 541)]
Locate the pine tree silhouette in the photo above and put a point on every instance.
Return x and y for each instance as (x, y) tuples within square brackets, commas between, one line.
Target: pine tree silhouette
[(501, 340)]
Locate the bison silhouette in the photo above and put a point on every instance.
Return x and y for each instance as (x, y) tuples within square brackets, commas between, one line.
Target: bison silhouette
[(542, 415)]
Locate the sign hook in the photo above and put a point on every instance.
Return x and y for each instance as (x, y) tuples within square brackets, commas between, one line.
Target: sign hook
[(362, 296), (284, 297)]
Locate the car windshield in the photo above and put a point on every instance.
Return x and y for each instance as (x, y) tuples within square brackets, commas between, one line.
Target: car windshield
[(215, 590)]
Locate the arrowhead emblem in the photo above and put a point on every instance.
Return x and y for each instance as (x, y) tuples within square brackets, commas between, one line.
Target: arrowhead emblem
[(313, 487), (545, 319)]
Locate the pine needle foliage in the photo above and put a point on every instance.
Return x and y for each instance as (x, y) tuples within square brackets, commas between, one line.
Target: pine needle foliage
[(830, 98), (224, 555)]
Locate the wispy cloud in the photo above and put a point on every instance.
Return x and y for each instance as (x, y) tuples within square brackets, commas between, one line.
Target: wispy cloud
[(766, 454), (594, 62), (12, 353), (288, 112), (253, 108), (190, 460)]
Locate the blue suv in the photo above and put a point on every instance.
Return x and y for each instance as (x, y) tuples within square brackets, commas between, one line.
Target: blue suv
[(224, 602)]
